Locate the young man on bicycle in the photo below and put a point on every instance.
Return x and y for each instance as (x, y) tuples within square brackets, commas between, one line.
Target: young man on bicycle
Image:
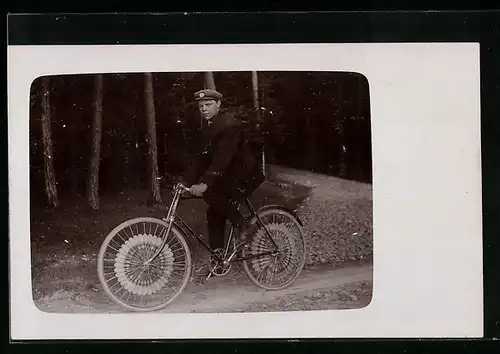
[(224, 172)]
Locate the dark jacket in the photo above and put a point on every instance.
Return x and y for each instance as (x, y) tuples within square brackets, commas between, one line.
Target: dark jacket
[(223, 158)]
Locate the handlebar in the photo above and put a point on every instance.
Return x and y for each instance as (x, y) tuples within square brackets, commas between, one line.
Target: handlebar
[(183, 187), (180, 186)]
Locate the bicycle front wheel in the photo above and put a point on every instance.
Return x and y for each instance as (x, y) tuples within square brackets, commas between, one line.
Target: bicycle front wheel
[(126, 277), (278, 271)]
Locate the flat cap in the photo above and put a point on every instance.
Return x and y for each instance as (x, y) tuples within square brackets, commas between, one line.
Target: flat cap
[(207, 94)]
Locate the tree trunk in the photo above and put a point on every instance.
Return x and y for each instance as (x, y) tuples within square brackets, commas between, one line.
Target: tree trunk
[(209, 80), (153, 148), (255, 89), (359, 128), (340, 131), (343, 149), (256, 106), (95, 156), (73, 123), (48, 158)]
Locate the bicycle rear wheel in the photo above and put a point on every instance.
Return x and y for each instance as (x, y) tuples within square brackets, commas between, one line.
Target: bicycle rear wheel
[(275, 272), (121, 264)]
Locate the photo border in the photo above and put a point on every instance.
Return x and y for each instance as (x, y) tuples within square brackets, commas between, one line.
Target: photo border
[(440, 27)]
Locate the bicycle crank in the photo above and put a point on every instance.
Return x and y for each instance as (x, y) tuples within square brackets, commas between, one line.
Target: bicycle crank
[(218, 265)]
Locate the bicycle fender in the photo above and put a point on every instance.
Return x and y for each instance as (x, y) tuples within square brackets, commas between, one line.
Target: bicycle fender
[(283, 208)]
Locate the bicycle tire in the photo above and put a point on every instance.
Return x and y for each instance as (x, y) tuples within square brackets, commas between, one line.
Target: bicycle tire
[(301, 262), (175, 232)]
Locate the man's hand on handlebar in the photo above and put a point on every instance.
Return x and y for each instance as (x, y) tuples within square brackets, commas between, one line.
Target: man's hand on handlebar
[(184, 191), (198, 189)]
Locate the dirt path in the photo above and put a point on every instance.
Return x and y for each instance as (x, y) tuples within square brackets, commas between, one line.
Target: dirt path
[(316, 289)]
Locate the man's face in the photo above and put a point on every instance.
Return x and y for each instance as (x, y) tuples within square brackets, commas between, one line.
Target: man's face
[(208, 108)]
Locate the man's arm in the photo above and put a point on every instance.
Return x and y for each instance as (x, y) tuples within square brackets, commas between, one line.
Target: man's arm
[(226, 149)]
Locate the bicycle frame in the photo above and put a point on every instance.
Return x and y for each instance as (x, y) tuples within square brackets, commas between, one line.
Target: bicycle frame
[(171, 218)]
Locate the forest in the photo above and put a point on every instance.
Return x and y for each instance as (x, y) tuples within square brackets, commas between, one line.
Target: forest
[(97, 134)]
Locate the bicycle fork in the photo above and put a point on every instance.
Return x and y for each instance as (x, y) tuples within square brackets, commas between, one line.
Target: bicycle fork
[(170, 220)]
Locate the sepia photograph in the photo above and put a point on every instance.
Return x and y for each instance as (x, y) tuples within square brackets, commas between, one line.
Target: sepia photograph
[(277, 191), (209, 191)]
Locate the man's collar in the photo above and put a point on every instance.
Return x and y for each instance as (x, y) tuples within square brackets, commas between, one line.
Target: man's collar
[(210, 121)]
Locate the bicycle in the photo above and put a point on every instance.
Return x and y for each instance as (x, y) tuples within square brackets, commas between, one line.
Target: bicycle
[(155, 261)]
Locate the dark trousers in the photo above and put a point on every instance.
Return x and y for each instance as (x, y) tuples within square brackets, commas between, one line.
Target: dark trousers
[(223, 205)]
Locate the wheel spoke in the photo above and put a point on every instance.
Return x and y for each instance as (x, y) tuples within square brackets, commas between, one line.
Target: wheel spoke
[(280, 270), (134, 284)]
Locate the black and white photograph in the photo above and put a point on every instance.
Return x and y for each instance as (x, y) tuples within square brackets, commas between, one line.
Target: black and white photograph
[(227, 191)]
